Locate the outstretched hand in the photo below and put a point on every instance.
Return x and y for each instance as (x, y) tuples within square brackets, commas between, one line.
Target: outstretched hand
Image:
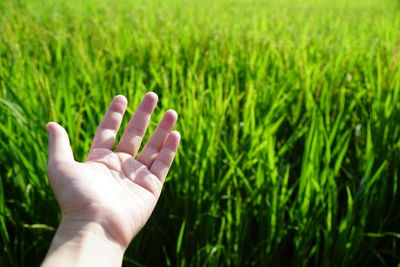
[(113, 193)]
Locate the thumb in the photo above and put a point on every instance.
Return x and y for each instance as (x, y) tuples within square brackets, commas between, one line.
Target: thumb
[(59, 147)]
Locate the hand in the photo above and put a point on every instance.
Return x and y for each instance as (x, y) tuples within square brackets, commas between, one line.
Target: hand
[(112, 194)]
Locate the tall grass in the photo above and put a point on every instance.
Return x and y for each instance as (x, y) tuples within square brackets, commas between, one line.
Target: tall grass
[(289, 115)]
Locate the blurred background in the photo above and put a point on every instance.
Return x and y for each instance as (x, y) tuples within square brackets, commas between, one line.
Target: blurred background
[(289, 116)]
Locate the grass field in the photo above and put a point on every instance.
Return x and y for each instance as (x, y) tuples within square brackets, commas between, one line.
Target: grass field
[(289, 116)]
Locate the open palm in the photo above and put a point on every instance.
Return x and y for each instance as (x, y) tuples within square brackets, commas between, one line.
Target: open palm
[(114, 189)]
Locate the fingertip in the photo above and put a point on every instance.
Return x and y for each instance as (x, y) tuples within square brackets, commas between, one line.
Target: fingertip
[(169, 120), (121, 98), (59, 148), (172, 113), (176, 135), (173, 140), (50, 126), (119, 104), (152, 95), (149, 102), (56, 130)]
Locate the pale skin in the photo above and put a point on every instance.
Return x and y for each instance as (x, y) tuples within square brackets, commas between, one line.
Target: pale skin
[(107, 199)]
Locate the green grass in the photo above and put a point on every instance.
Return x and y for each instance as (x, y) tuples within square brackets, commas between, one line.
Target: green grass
[(289, 115)]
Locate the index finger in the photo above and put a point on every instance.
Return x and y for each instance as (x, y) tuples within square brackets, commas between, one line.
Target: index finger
[(137, 126), (109, 125)]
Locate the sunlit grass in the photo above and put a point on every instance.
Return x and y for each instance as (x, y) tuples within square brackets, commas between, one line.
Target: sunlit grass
[(289, 115)]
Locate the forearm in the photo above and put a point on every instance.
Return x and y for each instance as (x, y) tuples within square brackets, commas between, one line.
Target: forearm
[(83, 244)]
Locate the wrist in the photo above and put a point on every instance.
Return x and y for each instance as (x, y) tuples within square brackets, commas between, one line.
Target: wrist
[(78, 243)]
